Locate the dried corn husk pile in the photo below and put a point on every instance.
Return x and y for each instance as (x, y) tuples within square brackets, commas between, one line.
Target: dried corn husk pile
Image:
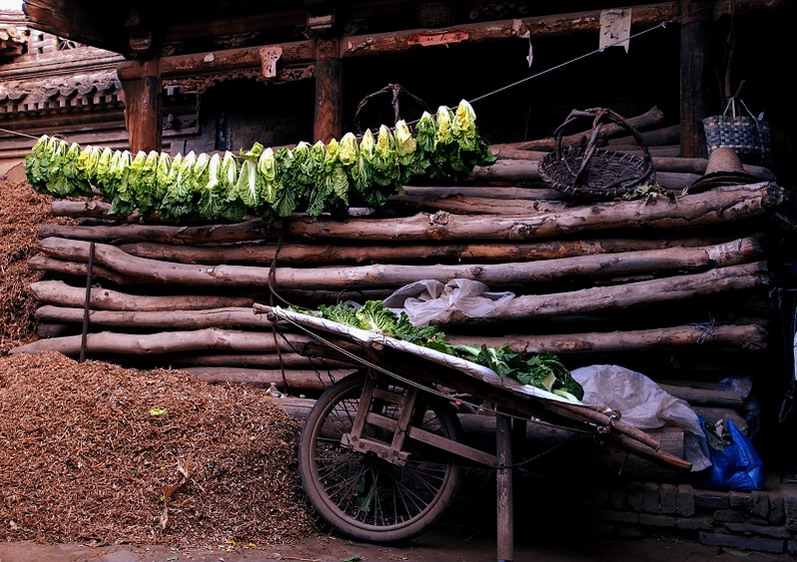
[(94, 452), (22, 211)]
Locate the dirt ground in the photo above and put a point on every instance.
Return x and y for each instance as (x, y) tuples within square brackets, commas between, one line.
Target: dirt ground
[(448, 543)]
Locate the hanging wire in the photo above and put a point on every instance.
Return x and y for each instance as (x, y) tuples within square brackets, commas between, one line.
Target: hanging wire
[(661, 25), (17, 133)]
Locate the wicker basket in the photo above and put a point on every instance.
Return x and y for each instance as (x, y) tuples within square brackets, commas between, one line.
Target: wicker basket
[(749, 136), (589, 172)]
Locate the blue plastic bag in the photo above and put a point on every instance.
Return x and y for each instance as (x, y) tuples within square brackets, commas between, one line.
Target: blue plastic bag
[(737, 466)]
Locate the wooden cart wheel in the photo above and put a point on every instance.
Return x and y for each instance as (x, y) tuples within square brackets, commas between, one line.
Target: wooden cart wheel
[(363, 496)]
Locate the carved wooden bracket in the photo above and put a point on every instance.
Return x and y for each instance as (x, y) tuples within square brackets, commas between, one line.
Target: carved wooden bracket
[(268, 59)]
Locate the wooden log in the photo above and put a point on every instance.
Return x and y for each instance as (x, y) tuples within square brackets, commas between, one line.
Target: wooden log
[(705, 396), (255, 229), (720, 205), (61, 294), (744, 338), (289, 380), (676, 181), (676, 172), (70, 268), (100, 210), (492, 192), (578, 267), (657, 137), (651, 117), (271, 360), (508, 171), (322, 254), (91, 208), (660, 163), (237, 318), (731, 279), (478, 206), (54, 330), (510, 151), (664, 151), (167, 342)]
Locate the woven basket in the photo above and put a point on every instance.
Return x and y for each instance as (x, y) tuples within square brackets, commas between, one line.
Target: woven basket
[(589, 172), (748, 136)]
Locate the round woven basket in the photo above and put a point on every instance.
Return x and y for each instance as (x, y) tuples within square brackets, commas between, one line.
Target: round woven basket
[(589, 172)]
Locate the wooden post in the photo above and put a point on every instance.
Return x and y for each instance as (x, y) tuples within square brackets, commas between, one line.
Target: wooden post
[(503, 481), (328, 92), (141, 92), (696, 82)]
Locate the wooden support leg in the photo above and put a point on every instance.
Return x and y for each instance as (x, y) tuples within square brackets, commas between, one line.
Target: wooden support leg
[(504, 504)]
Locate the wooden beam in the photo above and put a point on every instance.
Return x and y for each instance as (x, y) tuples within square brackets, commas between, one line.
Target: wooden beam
[(142, 97), (232, 59), (328, 92), (558, 24), (696, 68)]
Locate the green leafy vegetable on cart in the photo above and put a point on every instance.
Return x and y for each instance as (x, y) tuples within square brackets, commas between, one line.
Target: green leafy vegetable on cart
[(542, 370)]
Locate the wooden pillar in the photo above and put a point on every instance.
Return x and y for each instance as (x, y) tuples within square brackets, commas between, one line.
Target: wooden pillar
[(505, 539), (328, 91), (697, 84), (141, 93)]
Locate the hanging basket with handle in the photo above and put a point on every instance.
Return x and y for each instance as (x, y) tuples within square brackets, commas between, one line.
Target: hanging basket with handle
[(589, 172), (749, 136)]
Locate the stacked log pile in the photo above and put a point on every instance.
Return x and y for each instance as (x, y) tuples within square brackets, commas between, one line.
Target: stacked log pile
[(640, 283)]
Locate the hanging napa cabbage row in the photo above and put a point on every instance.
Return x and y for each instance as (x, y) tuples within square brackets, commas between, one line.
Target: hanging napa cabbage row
[(263, 182)]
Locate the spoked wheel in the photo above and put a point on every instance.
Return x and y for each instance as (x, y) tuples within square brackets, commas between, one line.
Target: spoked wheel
[(370, 496)]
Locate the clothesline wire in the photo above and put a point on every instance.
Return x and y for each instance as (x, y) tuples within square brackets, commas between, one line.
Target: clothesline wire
[(26, 135), (663, 24)]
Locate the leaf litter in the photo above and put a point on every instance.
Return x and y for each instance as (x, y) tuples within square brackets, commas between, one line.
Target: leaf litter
[(83, 460), (22, 211)]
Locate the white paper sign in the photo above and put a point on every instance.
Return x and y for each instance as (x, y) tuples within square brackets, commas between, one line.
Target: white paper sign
[(615, 28)]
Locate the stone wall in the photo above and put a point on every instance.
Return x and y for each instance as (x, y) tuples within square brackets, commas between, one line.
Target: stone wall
[(764, 521)]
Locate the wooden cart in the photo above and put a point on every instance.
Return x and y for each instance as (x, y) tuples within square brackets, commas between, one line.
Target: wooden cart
[(381, 450)]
